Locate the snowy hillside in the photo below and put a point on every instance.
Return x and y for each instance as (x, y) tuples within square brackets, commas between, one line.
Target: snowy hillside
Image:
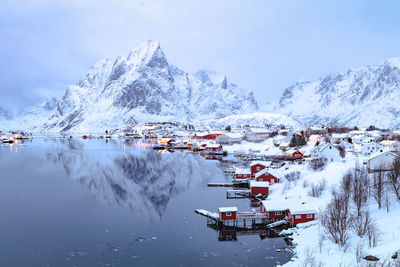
[(365, 96), (256, 119), (142, 86)]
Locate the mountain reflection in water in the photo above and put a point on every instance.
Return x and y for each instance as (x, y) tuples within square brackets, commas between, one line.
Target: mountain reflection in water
[(142, 179)]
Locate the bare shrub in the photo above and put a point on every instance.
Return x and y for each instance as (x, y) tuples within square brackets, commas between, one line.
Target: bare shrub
[(293, 176), (360, 188), (361, 223), (393, 177), (359, 251), (342, 151), (310, 260), (372, 232), (337, 219), (317, 164), (317, 189), (378, 187), (305, 183)]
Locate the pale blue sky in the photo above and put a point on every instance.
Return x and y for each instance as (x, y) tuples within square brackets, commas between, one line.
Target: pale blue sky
[(264, 46)]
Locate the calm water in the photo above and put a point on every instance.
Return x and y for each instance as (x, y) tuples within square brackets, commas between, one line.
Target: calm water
[(71, 202)]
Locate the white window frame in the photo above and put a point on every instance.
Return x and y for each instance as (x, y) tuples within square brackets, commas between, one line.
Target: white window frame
[(278, 212), (298, 216), (309, 216), (228, 214)]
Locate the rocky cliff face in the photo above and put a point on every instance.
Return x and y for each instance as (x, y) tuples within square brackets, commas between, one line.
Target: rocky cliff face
[(142, 86), (364, 96)]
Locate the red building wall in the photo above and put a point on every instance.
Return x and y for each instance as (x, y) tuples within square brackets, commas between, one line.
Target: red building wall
[(254, 170), (303, 218), (259, 190), (224, 216)]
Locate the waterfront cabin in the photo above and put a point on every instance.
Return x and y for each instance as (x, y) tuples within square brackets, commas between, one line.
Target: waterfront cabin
[(259, 188), (266, 175), (214, 148), (302, 216), (227, 213), (242, 174), (275, 211)]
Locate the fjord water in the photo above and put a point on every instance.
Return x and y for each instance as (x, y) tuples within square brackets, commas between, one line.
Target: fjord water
[(74, 202)]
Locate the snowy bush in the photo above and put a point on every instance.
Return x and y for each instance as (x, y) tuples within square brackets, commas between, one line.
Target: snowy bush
[(317, 189)]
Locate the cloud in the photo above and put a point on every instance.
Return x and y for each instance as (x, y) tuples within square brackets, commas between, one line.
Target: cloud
[(262, 45)]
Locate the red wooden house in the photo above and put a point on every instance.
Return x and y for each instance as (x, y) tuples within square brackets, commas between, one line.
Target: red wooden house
[(294, 153), (227, 213), (266, 175), (257, 166), (214, 148), (275, 211), (242, 174), (259, 188), (302, 216)]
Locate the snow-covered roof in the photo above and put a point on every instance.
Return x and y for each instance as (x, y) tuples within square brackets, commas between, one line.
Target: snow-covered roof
[(264, 163), (258, 174), (388, 142), (228, 209), (259, 184), (340, 135), (377, 154), (294, 212), (242, 170), (272, 205), (234, 135), (213, 145), (259, 130)]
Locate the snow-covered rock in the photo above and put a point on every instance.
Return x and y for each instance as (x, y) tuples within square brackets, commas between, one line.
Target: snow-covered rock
[(364, 96), (142, 86)]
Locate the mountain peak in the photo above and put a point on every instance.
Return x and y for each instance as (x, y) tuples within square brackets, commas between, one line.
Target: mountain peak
[(394, 61)]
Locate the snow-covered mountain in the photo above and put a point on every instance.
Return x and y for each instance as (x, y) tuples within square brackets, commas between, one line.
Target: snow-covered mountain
[(364, 96), (5, 114), (256, 119), (141, 180), (142, 86)]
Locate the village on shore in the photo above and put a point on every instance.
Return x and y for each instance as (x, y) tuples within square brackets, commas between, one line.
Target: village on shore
[(288, 175)]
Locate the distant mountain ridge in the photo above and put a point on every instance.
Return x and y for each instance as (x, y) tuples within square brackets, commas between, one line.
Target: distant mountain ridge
[(360, 97), (142, 86)]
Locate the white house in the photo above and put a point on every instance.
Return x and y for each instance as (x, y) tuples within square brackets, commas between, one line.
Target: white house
[(257, 134), (391, 145), (367, 149), (229, 138), (326, 152), (381, 161), (346, 145)]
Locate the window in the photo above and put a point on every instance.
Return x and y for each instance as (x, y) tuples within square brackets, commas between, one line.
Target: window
[(228, 214), (278, 212), (257, 168), (272, 180), (309, 216), (297, 216)]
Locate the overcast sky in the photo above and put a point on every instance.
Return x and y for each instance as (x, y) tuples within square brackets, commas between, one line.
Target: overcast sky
[(264, 46)]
